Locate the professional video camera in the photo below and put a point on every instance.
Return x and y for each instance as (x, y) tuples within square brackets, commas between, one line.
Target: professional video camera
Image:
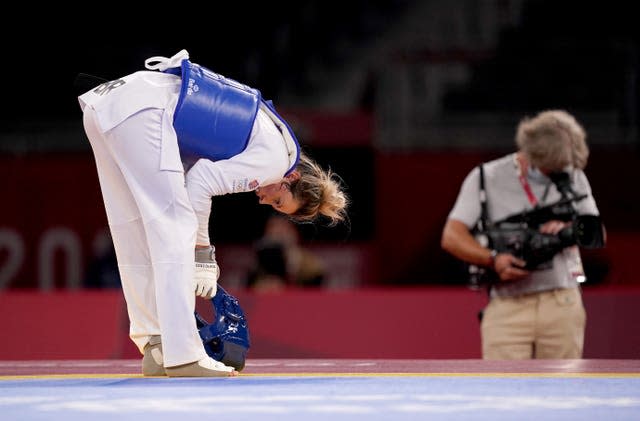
[(519, 233), (523, 239)]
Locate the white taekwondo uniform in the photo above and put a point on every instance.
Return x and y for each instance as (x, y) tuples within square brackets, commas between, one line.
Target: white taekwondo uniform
[(156, 210)]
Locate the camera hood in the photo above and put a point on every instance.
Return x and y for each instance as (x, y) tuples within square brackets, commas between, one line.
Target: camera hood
[(589, 231)]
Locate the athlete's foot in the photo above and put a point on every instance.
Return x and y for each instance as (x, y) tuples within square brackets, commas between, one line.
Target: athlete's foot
[(152, 359), (206, 367)]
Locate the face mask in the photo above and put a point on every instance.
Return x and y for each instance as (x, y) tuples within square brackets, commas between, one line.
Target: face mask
[(536, 174)]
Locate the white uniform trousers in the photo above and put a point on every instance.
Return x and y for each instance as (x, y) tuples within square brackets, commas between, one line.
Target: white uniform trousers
[(153, 226)]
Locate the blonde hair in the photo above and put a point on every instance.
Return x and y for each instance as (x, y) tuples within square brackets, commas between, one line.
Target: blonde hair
[(319, 192), (552, 140)]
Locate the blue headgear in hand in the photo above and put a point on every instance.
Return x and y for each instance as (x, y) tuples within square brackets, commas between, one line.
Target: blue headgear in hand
[(226, 339)]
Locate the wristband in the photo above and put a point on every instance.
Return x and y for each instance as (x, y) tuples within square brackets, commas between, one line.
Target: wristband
[(492, 256)]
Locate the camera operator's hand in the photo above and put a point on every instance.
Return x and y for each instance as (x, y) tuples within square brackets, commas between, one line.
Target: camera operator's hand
[(509, 268), (553, 227)]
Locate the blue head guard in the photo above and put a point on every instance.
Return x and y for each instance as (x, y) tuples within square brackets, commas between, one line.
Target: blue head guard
[(226, 339)]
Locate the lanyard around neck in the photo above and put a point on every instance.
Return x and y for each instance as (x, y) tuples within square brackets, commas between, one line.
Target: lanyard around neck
[(527, 189), (525, 183)]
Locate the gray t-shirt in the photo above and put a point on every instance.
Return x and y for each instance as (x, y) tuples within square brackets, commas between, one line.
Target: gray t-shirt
[(506, 196)]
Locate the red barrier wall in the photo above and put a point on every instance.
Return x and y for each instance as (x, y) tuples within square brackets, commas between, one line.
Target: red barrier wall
[(63, 325), (430, 323)]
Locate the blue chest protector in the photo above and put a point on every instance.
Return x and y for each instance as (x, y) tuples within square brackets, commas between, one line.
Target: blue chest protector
[(214, 115)]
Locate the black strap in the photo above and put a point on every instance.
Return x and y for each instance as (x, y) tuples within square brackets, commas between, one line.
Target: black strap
[(84, 82), (484, 212), (482, 226)]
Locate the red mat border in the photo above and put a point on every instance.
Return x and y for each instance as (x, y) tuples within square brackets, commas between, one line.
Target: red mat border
[(340, 366)]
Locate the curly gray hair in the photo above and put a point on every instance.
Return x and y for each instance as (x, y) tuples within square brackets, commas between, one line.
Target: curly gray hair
[(552, 140)]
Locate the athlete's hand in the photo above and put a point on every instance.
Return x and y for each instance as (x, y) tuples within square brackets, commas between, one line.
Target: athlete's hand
[(207, 272)]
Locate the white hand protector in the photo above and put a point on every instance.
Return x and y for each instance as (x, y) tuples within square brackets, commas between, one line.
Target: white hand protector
[(207, 272)]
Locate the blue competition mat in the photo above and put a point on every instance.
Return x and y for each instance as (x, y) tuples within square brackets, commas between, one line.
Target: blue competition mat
[(323, 397)]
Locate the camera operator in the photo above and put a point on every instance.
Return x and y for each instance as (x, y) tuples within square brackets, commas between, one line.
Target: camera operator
[(533, 312)]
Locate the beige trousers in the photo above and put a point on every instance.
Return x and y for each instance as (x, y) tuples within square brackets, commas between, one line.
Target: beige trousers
[(545, 325)]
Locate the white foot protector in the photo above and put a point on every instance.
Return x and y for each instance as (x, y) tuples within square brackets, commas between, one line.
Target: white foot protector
[(206, 367)]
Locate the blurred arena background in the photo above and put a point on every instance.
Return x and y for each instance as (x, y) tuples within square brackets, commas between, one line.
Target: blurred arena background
[(400, 97)]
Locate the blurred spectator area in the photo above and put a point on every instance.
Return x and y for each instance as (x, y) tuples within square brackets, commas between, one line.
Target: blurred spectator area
[(400, 98)]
